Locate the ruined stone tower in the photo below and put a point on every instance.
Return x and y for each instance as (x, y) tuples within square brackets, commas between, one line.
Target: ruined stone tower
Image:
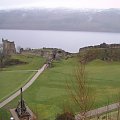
[(8, 47)]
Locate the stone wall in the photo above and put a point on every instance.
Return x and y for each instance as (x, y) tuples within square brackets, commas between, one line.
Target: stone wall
[(101, 46), (48, 53)]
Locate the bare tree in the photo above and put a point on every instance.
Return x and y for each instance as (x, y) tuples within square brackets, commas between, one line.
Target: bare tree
[(81, 92), (2, 57)]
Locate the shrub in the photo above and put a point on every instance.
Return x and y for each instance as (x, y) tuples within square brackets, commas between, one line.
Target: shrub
[(65, 116)]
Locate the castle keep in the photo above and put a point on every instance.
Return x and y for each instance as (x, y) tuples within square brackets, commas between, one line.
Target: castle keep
[(8, 47)]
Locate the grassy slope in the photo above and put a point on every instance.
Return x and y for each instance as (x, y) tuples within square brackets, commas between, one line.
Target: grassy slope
[(48, 95), (11, 79), (4, 115), (33, 62), (105, 78)]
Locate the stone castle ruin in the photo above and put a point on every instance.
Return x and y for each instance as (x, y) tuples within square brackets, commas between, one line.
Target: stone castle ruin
[(101, 46), (8, 47), (48, 53)]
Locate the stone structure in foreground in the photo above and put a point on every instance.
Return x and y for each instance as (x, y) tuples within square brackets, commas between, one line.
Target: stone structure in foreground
[(22, 112)]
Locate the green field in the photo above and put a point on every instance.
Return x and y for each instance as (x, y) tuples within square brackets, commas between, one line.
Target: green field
[(49, 96), (12, 81), (33, 62), (14, 77)]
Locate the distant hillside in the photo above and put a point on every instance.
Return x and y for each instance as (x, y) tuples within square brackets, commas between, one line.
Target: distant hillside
[(61, 19), (106, 52)]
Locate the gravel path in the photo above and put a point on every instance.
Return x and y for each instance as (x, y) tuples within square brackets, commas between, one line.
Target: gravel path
[(6, 101), (99, 111), (19, 71)]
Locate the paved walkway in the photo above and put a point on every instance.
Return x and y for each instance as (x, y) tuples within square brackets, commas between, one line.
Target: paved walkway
[(99, 111), (19, 71), (24, 87)]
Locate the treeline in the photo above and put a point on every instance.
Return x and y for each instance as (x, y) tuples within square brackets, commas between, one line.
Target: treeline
[(103, 52)]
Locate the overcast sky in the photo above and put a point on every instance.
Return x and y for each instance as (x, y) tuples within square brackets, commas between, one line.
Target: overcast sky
[(4, 4)]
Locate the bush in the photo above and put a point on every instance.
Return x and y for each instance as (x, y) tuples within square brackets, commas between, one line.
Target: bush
[(65, 116), (10, 62)]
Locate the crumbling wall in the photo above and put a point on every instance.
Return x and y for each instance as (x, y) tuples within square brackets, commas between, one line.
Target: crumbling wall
[(8, 47)]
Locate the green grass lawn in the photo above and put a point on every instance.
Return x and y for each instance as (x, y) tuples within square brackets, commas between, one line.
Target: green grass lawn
[(14, 77), (4, 115), (33, 62), (12, 81), (49, 96)]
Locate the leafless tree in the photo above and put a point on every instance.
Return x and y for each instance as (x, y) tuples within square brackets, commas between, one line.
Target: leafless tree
[(2, 57), (81, 92)]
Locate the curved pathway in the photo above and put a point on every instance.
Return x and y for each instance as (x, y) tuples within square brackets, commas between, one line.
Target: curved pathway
[(6, 101)]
